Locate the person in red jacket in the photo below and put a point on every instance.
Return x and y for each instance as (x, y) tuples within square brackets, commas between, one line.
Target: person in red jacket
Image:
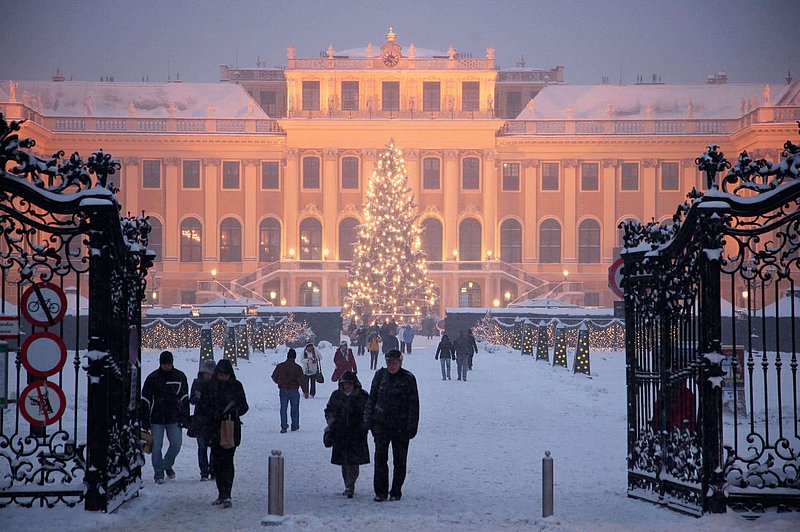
[(344, 361), (288, 375)]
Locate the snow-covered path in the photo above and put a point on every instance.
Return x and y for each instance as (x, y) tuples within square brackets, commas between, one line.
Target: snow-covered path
[(475, 464)]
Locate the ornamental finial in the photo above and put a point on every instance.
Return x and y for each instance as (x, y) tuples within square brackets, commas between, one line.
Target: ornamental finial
[(391, 36)]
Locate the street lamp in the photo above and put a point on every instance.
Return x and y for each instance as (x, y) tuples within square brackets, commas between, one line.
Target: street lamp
[(455, 254), (325, 253), (489, 254), (496, 302), (214, 274), (507, 295), (566, 274), (291, 253)]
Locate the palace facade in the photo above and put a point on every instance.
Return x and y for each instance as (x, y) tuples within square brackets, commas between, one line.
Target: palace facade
[(254, 185)]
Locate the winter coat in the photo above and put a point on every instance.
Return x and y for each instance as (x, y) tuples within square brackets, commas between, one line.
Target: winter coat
[(390, 342), (165, 399), (445, 348), (343, 362), (374, 342), (222, 400), (408, 334), (465, 345), (393, 405), (345, 414), (310, 361), (361, 336), (199, 387), (288, 375)]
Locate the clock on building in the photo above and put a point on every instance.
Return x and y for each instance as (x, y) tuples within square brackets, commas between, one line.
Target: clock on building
[(391, 59)]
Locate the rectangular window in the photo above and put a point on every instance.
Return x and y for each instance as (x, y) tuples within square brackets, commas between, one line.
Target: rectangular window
[(269, 102), (311, 96), (549, 176), (590, 176), (191, 174), (470, 96), (431, 96), (471, 174), (391, 96), (151, 174), (510, 177), (670, 178), (350, 173), (230, 175), (630, 176), (430, 173), (311, 172), (349, 96), (513, 104), (270, 175)]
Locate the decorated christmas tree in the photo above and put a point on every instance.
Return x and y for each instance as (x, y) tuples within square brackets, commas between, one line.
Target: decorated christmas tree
[(229, 349), (581, 362), (290, 331), (206, 344), (258, 336), (528, 337), (560, 350), (542, 347), (516, 334), (242, 349), (388, 275)]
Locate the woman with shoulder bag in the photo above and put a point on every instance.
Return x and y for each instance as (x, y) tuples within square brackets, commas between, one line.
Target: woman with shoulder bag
[(345, 431), (221, 405), (311, 367)]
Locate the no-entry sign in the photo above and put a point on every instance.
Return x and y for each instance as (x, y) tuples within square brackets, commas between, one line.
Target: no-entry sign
[(43, 354), (42, 403)]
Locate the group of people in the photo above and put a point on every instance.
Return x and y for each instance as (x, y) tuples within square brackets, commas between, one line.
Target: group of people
[(390, 410), (462, 350)]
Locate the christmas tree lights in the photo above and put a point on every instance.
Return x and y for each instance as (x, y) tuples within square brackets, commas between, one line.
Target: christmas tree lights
[(229, 349), (527, 338), (242, 349), (388, 275), (560, 350), (271, 334), (542, 343), (581, 362), (258, 336), (206, 345)]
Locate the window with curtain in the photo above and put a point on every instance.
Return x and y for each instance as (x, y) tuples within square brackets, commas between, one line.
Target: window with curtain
[(191, 241)]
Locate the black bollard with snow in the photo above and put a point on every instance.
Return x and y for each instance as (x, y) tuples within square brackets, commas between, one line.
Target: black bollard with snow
[(275, 487), (547, 485)]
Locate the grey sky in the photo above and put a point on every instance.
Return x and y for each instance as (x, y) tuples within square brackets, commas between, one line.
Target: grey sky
[(681, 40)]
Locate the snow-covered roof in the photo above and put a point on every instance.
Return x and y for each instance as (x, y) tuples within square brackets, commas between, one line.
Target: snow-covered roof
[(659, 102), (135, 100)]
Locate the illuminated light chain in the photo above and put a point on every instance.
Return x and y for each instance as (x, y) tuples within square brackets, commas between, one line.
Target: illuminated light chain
[(258, 336), (289, 331), (527, 338), (206, 345), (229, 349), (581, 362), (160, 335), (560, 349), (242, 348), (542, 346)]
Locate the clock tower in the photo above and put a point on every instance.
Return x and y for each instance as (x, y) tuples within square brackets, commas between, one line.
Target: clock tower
[(391, 52)]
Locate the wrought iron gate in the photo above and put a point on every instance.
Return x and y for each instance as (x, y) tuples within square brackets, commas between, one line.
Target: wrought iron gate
[(712, 341), (67, 437)]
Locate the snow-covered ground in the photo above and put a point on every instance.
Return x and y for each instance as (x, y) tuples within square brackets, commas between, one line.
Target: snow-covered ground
[(475, 464)]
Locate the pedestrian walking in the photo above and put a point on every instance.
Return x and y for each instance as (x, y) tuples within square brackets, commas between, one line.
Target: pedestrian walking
[(343, 360), (165, 410), (223, 400), (288, 375), (408, 339), (345, 431), (311, 366), (199, 386), (389, 342), (392, 413), (444, 354), (462, 347), (473, 347), (361, 339), (373, 345)]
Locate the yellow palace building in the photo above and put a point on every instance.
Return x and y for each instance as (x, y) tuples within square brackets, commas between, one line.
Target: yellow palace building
[(254, 185)]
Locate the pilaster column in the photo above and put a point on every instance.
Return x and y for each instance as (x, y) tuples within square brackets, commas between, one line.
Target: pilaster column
[(530, 231), (368, 158), (210, 222), (291, 188), (568, 254), (450, 191), (171, 177), (649, 188), (608, 184), (131, 186), (490, 201), (250, 229), (330, 195), (411, 158)]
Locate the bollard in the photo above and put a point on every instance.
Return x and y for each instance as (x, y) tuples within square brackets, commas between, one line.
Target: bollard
[(275, 483), (547, 485)]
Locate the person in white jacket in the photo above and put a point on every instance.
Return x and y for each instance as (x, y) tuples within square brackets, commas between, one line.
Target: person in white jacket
[(311, 366)]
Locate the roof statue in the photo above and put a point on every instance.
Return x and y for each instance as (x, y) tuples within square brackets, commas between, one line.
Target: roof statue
[(12, 91), (766, 94)]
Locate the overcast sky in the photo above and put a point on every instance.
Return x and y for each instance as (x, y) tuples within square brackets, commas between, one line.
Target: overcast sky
[(683, 41)]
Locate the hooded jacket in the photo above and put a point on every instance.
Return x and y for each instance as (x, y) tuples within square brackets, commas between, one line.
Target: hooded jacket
[(222, 400), (344, 414), (445, 348)]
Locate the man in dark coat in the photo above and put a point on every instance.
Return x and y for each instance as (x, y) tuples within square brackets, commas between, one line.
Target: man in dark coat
[(390, 342), (463, 347), (165, 409), (444, 353), (345, 431), (224, 399), (473, 346), (199, 385), (392, 413), (288, 375), (361, 339)]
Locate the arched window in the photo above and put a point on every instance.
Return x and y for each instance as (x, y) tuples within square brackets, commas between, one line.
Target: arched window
[(310, 294), (348, 234), (191, 241), (550, 241), (230, 240), (469, 240), (432, 241), (269, 240), (155, 238), (469, 295), (310, 239), (589, 242), (511, 241)]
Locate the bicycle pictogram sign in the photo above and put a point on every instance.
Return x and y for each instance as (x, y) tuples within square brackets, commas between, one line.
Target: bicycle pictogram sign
[(44, 304)]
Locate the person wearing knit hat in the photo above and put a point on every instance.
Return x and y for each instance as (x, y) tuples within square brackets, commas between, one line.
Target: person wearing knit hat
[(199, 386), (165, 410), (345, 432)]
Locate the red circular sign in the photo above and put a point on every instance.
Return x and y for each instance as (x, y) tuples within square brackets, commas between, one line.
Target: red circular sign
[(42, 403), (44, 304), (43, 354), (615, 277)]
